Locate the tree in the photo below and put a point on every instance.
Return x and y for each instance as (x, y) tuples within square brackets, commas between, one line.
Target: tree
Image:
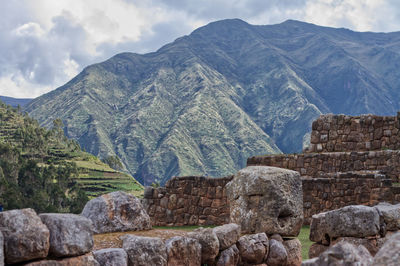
[(114, 162)]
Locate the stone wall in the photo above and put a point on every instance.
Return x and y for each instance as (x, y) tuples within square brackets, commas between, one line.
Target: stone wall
[(192, 200), (354, 133), (318, 164)]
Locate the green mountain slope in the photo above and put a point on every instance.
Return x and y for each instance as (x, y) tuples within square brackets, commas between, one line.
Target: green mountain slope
[(22, 135), (205, 102)]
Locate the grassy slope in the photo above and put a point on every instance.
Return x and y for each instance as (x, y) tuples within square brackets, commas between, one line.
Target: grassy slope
[(95, 176)]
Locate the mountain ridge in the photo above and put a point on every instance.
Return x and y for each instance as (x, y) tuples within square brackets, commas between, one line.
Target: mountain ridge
[(156, 111)]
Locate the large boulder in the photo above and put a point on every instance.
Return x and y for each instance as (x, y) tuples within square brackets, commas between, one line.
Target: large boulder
[(253, 248), (389, 254), (143, 251), (228, 235), (84, 260), (25, 236), (209, 244), (293, 250), (229, 257), (342, 253), (371, 244), (390, 214), (183, 251), (111, 257), (350, 221), (316, 249), (116, 212), (277, 255), (266, 199), (70, 234)]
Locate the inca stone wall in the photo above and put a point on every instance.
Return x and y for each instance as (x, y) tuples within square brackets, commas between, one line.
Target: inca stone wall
[(355, 133), (192, 200)]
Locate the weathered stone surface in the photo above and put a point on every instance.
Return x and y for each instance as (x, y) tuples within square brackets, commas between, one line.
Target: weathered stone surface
[(116, 211), (369, 243), (316, 249), (229, 257), (253, 248), (390, 214), (84, 260), (344, 253), (356, 221), (25, 236), (266, 199), (143, 251), (293, 250), (319, 229), (1, 249), (209, 244), (277, 237), (183, 251), (389, 254), (70, 234), (277, 255), (111, 257), (310, 262), (227, 234)]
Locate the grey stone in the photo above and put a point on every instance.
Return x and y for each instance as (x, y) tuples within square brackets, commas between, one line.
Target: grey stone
[(316, 249), (310, 262), (1, 249), (390, 214), (116, 212), (266, 199), (209, 244), (111, 257), (229, 257), (253, 248), (228, 234), (183, 251), (70, 234), (84, 260), (344, 253), (293, 250), (25, 236), (277, 237), (277, 255), (144, 251), (389, 254), (369, 243), (319, 229)]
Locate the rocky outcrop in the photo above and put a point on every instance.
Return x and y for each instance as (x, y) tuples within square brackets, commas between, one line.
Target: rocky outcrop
[(389, 254), (183, 251), (254, 248), (111, 257), (227, 234), (25, 236), (342, 253), (70, 234), (116, 211), (84, 260), (266, 199), (143, 251), (209, 244)]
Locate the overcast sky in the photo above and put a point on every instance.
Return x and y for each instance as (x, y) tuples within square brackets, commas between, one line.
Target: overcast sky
[(44, 43)]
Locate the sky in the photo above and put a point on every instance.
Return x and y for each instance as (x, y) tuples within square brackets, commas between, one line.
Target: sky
[(45, 43)]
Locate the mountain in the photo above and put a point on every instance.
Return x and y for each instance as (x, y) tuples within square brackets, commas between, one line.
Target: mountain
[(229, 90), (14, 102)]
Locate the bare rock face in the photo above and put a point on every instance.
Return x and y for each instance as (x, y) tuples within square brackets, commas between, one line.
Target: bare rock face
[(229, 257), (209, 244), (266, 199), (253, 248), (228, 235), (25, 236), (116, 211), (390, 214), (84, 260), (70, 234), (293, 250), (143, 251), (343, 253), (350, 221), (389, 254), (111, 257), (277, 254), (183, 251)]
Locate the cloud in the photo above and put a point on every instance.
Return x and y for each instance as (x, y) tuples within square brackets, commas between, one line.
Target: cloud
[(44, 43)]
